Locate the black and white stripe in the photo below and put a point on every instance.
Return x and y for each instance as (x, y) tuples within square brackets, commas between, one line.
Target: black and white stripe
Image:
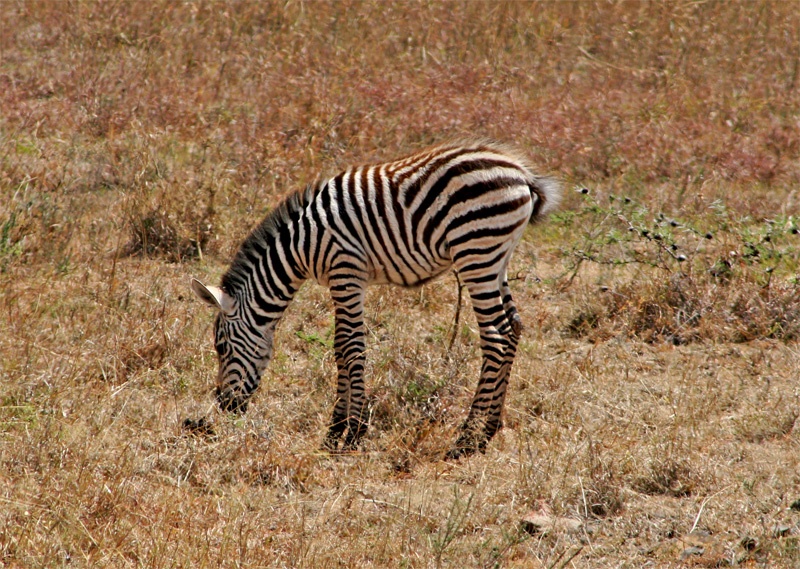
[(404, 222)]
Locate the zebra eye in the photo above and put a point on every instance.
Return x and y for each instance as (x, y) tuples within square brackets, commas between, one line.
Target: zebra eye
[(219, 340)]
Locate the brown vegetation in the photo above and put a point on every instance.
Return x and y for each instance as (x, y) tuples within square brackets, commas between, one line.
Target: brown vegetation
[(655, 399)]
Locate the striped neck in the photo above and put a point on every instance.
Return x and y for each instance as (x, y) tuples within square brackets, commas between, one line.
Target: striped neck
[(269, 267)]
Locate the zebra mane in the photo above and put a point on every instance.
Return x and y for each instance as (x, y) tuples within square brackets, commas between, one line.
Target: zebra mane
[(260, 238)]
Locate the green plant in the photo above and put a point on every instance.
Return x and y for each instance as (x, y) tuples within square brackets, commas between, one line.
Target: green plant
[(452, 527), (671, 278), (10, 247)]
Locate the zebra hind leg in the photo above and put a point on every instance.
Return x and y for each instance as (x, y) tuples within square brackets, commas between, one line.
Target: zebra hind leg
[(498, 345), (513, 333)]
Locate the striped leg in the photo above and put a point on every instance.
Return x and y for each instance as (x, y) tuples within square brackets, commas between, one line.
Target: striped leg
[(513, 334), (348, 412), (498, 344)]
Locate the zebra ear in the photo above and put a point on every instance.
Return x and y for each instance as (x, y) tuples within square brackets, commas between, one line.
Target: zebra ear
[(212, 295)]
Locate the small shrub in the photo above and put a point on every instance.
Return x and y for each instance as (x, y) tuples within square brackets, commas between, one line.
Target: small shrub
[(677, 283), (157, 233), (761, 427), (153, 235), (416, 398), (10, 246), (666, 478)]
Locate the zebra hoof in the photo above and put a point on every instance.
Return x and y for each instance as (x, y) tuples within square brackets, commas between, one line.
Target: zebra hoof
[(455, 454), (466, 445), (349, 447), (459, 452), (330, 445), (336, 452)]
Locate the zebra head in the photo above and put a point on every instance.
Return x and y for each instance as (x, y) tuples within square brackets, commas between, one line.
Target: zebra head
[(243, 350)]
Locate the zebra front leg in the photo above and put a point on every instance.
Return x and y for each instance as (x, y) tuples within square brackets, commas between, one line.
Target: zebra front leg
[(348, 412), (356, 421), (339, 418)]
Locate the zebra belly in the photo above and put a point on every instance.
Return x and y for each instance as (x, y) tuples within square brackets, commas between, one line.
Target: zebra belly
[(406, 276)]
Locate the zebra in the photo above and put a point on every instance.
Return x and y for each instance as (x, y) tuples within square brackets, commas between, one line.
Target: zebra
[(463, 205)]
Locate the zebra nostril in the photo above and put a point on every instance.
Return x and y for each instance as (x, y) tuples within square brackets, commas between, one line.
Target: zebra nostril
[(230, 403)]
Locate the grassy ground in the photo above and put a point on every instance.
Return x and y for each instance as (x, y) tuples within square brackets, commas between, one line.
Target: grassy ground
[(652, 419)]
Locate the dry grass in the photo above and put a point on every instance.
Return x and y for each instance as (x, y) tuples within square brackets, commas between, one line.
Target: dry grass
[(655, 403)]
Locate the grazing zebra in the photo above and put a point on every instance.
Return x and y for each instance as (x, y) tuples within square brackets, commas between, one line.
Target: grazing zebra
[(405, 222)]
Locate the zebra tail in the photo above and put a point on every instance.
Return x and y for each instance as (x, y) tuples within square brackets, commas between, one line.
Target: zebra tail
[(546, 194)]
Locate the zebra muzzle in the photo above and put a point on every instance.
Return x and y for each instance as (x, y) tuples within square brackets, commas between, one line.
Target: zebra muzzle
[(230, 403)]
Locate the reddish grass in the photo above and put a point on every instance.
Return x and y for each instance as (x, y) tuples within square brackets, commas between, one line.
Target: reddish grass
[(139, 142)]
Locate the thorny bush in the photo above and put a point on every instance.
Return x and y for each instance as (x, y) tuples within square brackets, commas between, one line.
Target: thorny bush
[(661, 278)]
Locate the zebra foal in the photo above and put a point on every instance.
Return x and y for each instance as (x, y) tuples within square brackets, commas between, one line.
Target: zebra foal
[(462, 205)]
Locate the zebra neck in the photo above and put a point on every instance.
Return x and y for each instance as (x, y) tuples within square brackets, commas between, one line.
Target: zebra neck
[(271, 285), (264, 278), (273, 261)]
